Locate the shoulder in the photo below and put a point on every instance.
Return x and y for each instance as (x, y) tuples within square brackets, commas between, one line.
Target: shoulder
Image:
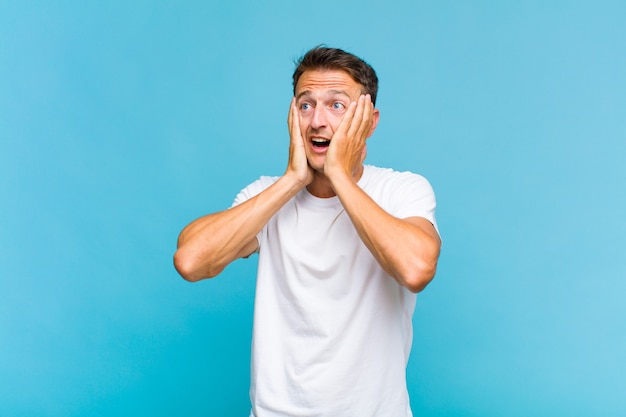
[(388, 177), (402, 194), (262, 183)]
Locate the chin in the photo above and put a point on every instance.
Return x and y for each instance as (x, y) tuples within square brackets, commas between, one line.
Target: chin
[(317, 164)]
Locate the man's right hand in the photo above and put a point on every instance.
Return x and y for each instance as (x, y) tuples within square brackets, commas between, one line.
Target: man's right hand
[(298, 163), (208, 244)]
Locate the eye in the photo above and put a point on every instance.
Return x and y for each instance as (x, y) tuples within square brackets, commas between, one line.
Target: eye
[(338, 106), (305, 106)]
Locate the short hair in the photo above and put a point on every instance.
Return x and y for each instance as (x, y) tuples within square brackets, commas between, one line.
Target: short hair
[(324, 58)]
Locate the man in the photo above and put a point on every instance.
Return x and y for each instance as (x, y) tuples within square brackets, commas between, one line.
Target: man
[(343, 248)]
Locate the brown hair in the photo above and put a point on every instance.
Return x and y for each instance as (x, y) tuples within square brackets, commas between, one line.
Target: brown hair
[(323, 58)]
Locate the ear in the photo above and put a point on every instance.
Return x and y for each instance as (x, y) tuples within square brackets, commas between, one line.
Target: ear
[(375, 118)]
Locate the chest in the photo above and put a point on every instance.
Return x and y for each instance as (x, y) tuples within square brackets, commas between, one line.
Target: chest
[(317, 243)]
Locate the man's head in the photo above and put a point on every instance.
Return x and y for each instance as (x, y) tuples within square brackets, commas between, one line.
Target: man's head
[(326, 82), (322, 58)]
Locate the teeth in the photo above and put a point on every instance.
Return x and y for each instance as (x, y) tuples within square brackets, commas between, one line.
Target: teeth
[(319, 140)]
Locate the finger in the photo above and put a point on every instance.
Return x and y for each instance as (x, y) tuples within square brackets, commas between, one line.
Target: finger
[(367, 117), (290, 116), (355, 124), (346, 120), (294, 120)]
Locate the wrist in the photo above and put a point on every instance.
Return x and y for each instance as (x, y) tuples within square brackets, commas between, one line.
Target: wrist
[(295, 181), (341, 181), (341, 176)]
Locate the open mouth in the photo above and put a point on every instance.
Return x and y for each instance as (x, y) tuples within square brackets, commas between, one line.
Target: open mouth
[(320, 143)]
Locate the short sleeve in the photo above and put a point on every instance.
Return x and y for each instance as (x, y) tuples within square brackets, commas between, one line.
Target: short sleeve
[(257, 187), (402, 194), (415, 197)]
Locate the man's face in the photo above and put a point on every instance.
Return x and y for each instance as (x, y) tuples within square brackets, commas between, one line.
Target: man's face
[(322, 98)]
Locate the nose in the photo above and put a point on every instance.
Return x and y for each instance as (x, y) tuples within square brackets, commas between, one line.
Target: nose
[(319, 119)]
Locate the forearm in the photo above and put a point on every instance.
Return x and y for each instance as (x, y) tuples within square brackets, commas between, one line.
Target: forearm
[(407, 249), (207, 245)]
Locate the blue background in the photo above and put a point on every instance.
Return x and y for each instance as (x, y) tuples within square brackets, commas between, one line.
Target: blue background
[(120, 122)]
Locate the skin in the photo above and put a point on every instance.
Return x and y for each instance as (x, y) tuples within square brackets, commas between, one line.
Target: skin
[(328, 105)]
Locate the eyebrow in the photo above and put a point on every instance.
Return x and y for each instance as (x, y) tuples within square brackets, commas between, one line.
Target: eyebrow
[(329, 93)]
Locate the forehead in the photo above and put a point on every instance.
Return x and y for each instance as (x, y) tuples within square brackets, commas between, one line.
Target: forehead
[(322, 80)]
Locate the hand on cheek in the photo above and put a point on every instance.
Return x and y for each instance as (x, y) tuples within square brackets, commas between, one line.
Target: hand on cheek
[(347, 148), (298, 163)]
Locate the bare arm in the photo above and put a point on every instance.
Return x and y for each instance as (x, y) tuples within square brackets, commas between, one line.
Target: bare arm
[(407, 249), (207, 245)]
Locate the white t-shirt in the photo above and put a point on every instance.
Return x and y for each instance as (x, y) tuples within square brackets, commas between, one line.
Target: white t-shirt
[(332, 331)]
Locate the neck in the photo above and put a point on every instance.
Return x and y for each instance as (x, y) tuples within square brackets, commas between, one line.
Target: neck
[(321, 186)]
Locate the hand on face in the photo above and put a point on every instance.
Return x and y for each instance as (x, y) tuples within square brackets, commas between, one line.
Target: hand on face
[(346, 152), (298, 164)]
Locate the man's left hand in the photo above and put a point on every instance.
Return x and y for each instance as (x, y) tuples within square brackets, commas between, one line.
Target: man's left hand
[(347, 149)]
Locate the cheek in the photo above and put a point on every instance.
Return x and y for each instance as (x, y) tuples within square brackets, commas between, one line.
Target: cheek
[(334, 120), (304, 124)]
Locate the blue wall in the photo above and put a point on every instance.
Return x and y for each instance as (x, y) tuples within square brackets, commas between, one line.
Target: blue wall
[(121, 122)]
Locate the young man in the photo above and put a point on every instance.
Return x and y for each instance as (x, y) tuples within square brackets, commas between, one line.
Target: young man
[(343, 248)]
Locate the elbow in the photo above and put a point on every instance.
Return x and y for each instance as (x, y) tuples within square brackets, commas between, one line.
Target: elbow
[(189, 267), (418, 277), (185, 266), (420, 270)]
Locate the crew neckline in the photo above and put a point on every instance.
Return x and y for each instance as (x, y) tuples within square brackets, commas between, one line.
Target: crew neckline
[(334, 200)]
